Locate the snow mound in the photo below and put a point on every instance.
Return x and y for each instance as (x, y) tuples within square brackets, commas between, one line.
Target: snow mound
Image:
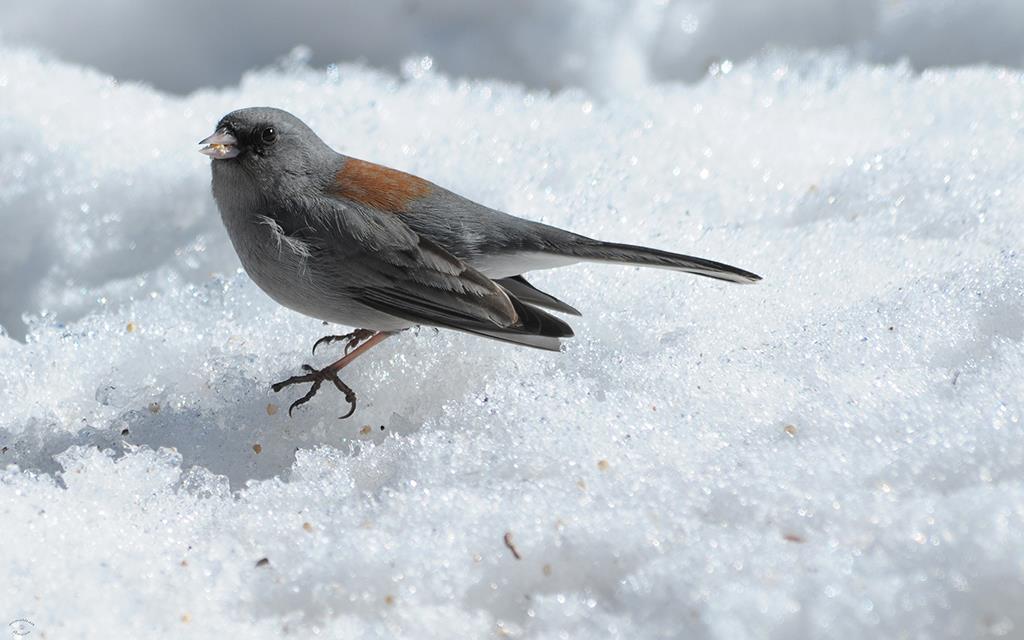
[(835, 452)]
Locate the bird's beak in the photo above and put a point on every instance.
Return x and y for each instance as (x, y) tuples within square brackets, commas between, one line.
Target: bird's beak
[(220, 146)]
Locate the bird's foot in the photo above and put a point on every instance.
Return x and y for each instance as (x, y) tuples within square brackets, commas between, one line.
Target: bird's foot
[(317, 378), (353, 339)]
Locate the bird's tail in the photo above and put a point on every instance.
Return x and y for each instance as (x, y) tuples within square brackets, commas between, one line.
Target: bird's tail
[(598, 251)]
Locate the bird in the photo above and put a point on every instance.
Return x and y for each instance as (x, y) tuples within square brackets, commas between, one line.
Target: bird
[(355, 243)]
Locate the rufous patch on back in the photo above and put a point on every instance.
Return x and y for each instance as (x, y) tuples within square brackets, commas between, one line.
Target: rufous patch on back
[(377, 186)]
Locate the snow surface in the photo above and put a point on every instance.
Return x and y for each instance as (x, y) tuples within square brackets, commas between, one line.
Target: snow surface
[(835, 452), (607, 46)]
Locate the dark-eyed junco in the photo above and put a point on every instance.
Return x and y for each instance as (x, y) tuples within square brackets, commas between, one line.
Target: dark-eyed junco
[(359, 244)]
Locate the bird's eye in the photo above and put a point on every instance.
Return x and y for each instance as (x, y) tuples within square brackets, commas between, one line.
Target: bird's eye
[(269, 135)]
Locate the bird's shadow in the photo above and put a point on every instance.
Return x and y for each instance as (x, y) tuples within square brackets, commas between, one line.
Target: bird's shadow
[(251, 437), (236, 427)]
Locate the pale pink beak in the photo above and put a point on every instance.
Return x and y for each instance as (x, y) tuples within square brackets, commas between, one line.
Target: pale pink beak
[(220, 146)]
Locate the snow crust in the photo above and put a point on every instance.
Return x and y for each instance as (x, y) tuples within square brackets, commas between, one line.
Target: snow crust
[(609, 47), (835, 452)]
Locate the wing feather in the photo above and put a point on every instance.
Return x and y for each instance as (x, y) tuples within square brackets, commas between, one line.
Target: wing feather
[(387, 266)]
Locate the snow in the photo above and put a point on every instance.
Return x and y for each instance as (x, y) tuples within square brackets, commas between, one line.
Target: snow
[(834, 452), (607, 47)]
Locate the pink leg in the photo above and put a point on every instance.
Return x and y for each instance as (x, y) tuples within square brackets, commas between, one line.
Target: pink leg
[(330, 372)]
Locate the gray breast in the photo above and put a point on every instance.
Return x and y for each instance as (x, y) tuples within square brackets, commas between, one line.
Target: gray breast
[(285, 268)]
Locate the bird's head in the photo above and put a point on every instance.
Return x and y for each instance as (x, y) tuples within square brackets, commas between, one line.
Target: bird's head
[(264, 144)]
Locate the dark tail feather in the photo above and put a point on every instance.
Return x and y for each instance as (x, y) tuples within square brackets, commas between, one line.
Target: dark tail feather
[(538, 329), (545, 343), (537, 322), (520, 288), (631, 254)]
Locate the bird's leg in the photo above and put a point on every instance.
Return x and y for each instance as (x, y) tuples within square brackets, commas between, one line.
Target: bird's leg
[(353, 339), (330, 372)]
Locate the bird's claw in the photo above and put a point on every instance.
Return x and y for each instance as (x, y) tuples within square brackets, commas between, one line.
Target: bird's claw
[(353, 339), (317, 377)]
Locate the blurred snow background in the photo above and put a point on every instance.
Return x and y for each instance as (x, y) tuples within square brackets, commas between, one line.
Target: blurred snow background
[(602, 45), (835, 452)]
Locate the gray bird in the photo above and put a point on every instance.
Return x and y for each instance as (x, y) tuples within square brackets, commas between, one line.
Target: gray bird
[(358, 244)]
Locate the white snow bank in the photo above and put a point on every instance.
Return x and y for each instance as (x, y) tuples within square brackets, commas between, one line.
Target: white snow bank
[(835, 452), (607, 47)]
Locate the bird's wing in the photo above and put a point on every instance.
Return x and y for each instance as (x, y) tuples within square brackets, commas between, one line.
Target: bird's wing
[(387, 266), (491, 241)]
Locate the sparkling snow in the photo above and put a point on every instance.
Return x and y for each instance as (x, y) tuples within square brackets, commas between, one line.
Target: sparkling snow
[(835, 452)]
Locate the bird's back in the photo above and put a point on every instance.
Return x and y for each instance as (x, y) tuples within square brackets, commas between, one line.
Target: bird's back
[(496, 243)]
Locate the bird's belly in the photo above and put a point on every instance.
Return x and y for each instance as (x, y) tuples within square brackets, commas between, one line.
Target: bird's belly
[(290, 279)]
